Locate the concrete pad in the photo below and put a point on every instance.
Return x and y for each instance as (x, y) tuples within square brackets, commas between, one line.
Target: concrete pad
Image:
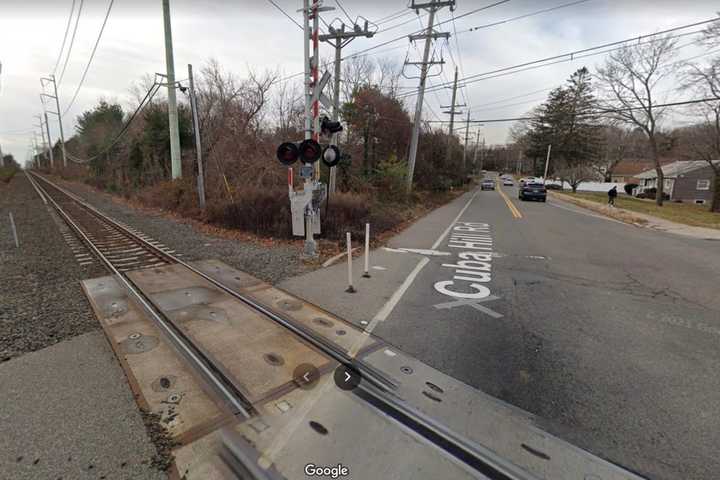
[(67, 412)]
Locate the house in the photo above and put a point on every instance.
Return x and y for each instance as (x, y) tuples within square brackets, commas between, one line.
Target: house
[(625, 171), (690, 181)]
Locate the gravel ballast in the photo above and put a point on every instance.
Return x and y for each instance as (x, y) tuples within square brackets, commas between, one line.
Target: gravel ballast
[(41, 301), (270, 263)]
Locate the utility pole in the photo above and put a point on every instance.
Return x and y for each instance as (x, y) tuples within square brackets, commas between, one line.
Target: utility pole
[(172, 100), (452, 112), (429, 35), (43, 82), (42, 133), (467, 134), (198, 145), (339, 38), (50, 147), (482, 155), (547, 163), (477, 146)]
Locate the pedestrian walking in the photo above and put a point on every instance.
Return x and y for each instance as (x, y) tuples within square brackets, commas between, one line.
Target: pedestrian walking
[(612, 194)]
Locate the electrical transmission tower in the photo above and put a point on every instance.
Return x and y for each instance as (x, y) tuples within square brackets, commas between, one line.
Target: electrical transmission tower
[(432, 7), (339, 38)]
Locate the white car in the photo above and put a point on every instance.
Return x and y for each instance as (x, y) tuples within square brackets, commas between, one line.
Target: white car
[(507, 182)]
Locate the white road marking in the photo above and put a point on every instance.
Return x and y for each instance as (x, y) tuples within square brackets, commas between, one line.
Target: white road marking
[(422, 251), (395, 250), (447, 230), (378, 267), (472, 303), (587, 214), (387, 309)]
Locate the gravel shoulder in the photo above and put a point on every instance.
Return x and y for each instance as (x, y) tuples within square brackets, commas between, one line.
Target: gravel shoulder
[(271, 263), (41, 302)]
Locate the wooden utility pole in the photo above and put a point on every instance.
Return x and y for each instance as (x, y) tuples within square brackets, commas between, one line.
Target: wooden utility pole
[(339, 38), (432, 7), (452, 112)]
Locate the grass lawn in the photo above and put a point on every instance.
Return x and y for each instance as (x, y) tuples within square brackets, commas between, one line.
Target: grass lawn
[(687, 213)]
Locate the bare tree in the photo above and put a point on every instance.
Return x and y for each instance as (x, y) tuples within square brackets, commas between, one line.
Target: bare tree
[(388, 76), (629, 79), (575, 174), (289, 108), (357, 72), (703, 139)]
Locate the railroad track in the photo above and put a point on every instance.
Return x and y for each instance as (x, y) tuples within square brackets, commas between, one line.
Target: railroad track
[(121, 249)]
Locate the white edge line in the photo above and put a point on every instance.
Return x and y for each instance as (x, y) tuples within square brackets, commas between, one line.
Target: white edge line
[(587, 214), (447, 230), (389, 306), (387, 309)]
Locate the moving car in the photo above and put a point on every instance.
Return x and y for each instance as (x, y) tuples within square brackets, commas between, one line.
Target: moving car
[(487, 184), (507, 182), (532, 191)]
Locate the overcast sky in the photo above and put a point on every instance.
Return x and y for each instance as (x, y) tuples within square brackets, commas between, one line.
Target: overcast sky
[(244, 34)]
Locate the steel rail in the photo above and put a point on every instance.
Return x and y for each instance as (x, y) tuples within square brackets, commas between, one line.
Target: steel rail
[(198, 360), (369, 373), (377, 392)]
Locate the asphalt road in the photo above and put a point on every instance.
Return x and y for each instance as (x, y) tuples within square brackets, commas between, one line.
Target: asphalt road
[(608, 332)]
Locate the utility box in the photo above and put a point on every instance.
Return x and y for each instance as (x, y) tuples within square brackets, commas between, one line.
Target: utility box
[(308, 200)]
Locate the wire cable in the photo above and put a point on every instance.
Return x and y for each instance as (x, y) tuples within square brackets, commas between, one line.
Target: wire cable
[(344, 11), (599, 112), (285, 13), (92, 55), (402, 37), (143, 103), (574, 54), (67, 30), (72, 41)]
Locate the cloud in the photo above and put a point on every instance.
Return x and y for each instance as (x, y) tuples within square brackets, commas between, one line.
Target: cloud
[(244, 34)]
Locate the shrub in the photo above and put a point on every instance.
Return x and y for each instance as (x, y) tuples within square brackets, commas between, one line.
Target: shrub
[(262, 211), (629, 187), (7, 173), (390, 178), (178, 196)]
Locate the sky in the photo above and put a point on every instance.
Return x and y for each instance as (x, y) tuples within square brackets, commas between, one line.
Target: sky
[(253, 34)]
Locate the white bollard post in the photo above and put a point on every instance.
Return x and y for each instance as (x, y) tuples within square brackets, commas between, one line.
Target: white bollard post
[(350, 288), (366, 274)]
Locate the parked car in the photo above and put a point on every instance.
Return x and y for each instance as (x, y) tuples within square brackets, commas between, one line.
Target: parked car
[(487, 184), (532, 191), (507, 182)]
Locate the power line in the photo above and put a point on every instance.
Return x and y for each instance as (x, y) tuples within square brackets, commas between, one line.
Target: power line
[(597, 113), (285, 13), (67, 30), (143, 103), (526, 15), (572, 55), (403, 37), (392, 16), (92, 55), (344, 11), (72, 41)]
